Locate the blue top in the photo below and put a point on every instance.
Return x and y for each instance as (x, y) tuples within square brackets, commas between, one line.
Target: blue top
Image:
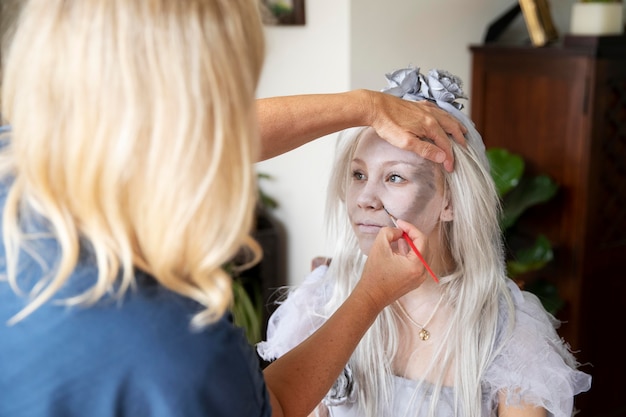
[(131, 357)]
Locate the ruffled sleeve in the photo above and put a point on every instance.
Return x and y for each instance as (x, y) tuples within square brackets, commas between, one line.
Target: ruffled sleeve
[(297, 317), (535, 364)]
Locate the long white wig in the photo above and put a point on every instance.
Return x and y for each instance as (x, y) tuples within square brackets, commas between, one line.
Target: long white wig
[(474, 289)]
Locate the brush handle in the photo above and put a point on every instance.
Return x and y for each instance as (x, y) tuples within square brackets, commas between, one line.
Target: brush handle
[(410, 242), (419, 255)]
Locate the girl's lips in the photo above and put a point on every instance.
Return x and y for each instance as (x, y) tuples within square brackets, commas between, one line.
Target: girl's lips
[(368, 228)]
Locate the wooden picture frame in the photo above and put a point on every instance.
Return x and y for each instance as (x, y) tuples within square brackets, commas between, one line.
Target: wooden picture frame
[(539, 21), (283, 12)]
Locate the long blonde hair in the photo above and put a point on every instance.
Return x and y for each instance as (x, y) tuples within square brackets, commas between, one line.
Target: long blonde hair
[(133, 127)]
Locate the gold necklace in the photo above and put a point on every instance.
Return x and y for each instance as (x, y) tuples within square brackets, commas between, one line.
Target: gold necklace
[(424, 334)]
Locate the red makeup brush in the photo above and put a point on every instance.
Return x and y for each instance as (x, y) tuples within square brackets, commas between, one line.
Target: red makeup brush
[(410, 242)]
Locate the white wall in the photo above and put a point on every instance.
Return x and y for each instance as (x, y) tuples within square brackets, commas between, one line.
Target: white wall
[(305, 59), (393, 34), (348, 44)]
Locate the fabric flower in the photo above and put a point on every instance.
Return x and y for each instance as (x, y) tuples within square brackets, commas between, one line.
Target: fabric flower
[(439, 86), (404, 83), (343, 390), (445, 87)]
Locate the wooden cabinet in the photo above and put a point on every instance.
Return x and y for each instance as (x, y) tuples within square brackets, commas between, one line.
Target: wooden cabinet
[(563, 108)]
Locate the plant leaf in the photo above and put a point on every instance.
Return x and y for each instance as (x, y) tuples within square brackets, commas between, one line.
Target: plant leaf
[(245, 315), (506, 169), (265, 200), (529, 192), (531, 258)]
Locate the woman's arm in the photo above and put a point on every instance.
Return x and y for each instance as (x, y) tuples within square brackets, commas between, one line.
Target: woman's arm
[(291, 121), (320, 411), (298, 380)]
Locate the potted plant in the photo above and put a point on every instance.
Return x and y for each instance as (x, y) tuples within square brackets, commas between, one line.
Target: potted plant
[(252, 286), (597, 18), (525, 255)]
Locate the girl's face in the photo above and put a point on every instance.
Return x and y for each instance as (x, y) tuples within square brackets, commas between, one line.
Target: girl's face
[(407, 185)]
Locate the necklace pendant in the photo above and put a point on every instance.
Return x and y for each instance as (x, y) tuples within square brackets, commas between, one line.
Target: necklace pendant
[(424, 334)]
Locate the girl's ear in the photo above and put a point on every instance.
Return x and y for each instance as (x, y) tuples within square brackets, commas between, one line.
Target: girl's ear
[(447, 213)]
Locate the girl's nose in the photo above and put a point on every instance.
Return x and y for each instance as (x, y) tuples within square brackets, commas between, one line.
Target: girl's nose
[(368, 198)]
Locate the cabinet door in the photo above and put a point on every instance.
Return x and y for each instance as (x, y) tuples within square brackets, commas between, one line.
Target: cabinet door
[(603, 292), (533, 104), (564, 111)]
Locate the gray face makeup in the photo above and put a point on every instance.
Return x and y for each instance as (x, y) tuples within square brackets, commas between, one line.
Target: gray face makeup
[(408, 186), (424, 175)]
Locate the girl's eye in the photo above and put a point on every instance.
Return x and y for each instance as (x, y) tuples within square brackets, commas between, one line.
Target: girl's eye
[(395, 178), (359, 176)]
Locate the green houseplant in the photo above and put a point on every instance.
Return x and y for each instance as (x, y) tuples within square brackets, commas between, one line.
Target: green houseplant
[(525, 254), (247, 308)]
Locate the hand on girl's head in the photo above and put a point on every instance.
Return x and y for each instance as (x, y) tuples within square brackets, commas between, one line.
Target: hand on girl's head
[(455, 130), (418, 126), (433, 142)]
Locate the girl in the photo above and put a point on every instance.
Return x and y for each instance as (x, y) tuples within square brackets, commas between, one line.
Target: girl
[(468, 343)]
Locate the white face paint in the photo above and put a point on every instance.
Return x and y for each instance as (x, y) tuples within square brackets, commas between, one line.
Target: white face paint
[(407, 185)]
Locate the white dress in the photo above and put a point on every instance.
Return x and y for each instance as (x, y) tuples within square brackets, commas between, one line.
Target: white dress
[(552, 385)]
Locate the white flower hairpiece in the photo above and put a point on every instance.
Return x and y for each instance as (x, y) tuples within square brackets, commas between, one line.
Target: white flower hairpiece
[(443, 89), (438, 86)]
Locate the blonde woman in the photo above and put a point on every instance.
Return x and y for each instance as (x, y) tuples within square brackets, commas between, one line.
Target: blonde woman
[(127, 182), (467, 344)]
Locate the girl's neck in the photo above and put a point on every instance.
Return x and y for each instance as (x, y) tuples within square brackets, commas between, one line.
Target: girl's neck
[(438, 254), (428, 293), (440, 261)]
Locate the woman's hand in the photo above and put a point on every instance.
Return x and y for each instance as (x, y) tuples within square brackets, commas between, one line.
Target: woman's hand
[(288, 122), (389, 274), (412, 125), (298, 380)]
